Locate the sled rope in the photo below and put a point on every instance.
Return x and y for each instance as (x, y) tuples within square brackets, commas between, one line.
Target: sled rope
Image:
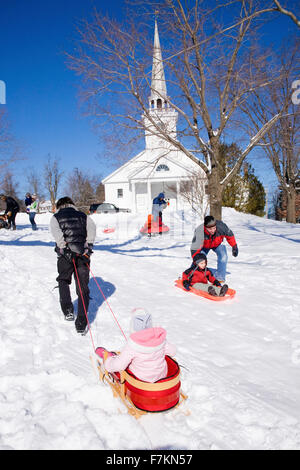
[(86, 315), (106, 302)]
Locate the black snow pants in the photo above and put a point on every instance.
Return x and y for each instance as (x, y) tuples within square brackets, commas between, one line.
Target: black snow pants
[(65, 270), (12, 219)]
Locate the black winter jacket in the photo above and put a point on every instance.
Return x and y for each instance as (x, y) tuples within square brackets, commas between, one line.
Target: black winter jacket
[(73, 225), (11, 205)]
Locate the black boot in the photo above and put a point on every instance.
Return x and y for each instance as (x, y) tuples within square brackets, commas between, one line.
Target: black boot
[(212, 291), (80, 324), (223, 290), (69, 314)]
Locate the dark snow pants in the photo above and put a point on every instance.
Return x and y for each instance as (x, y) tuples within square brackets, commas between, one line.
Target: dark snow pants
[(65, 270), (12, 219)]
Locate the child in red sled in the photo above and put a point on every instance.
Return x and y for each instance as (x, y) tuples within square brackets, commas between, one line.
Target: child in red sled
[(144, 352), (198, 276)]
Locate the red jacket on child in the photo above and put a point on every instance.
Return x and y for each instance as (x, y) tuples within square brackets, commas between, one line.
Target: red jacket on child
[(195, 274)]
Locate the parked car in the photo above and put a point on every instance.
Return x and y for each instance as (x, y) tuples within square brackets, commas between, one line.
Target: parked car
[(106, 208)]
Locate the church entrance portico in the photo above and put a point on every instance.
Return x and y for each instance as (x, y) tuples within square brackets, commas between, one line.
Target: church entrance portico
[(169, 190), (144, 193)]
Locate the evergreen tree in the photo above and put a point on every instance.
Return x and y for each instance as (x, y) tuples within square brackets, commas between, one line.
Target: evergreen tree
[(256, 194), (245, 193)]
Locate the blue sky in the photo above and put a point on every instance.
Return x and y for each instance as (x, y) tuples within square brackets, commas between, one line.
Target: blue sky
[(41, 92)]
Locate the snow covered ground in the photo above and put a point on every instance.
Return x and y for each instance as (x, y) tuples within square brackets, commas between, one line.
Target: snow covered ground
[(240, 358)]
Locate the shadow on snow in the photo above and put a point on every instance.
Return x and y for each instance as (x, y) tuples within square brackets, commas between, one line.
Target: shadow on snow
[(96, 296)]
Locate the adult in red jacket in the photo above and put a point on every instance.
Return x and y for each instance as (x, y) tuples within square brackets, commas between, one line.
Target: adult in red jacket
[(209, 236)]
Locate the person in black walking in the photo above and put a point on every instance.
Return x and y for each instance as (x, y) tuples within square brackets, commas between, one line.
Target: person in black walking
[(12, 208), (74, 233)]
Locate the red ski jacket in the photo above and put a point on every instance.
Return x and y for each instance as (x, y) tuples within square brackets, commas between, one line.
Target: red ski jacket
[(203, 239), (195, 274)]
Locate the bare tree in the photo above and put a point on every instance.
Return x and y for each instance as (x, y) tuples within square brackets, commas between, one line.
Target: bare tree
[(52, 178), (82, 188), (9, 186), (193, 192), (210, 70), (34, 182), (100, 193), (5, 137), (287, 12), (9, 148), (281, 143)]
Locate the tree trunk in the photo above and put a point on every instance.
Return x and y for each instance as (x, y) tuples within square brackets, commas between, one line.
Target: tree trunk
[(215, 190), (215, 194), (291, 206)]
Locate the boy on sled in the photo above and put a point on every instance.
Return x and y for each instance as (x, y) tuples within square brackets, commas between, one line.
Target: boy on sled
[(199, 276)]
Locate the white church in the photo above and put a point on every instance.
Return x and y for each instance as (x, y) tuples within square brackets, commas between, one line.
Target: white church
[(158, 168)]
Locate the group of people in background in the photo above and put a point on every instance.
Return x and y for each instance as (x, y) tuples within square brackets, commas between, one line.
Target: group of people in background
[(8, 219)]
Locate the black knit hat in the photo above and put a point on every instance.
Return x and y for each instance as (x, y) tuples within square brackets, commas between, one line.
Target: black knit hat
[(199, 257), (64, 201), (209, 221)]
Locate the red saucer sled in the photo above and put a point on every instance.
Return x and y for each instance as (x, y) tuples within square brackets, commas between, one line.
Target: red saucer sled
[(143, 397), (152, 227), (229, 294), (109, 230)]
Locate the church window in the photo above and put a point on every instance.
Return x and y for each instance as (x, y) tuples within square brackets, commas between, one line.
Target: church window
[(159, 103), (120, 192), (162, 168)]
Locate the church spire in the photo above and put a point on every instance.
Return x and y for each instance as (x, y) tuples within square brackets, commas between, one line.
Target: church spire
[(160, 110), (158, 97)]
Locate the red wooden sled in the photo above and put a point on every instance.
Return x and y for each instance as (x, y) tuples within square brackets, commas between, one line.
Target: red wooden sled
[(229, 294), (143, 397), (159, 396)]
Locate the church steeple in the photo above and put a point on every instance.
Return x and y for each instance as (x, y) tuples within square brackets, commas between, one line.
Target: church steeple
[(158, 97), (160, 110)]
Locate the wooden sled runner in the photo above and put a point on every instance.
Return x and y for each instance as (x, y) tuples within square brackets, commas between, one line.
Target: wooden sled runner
[(141, 397), (229, 294)]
